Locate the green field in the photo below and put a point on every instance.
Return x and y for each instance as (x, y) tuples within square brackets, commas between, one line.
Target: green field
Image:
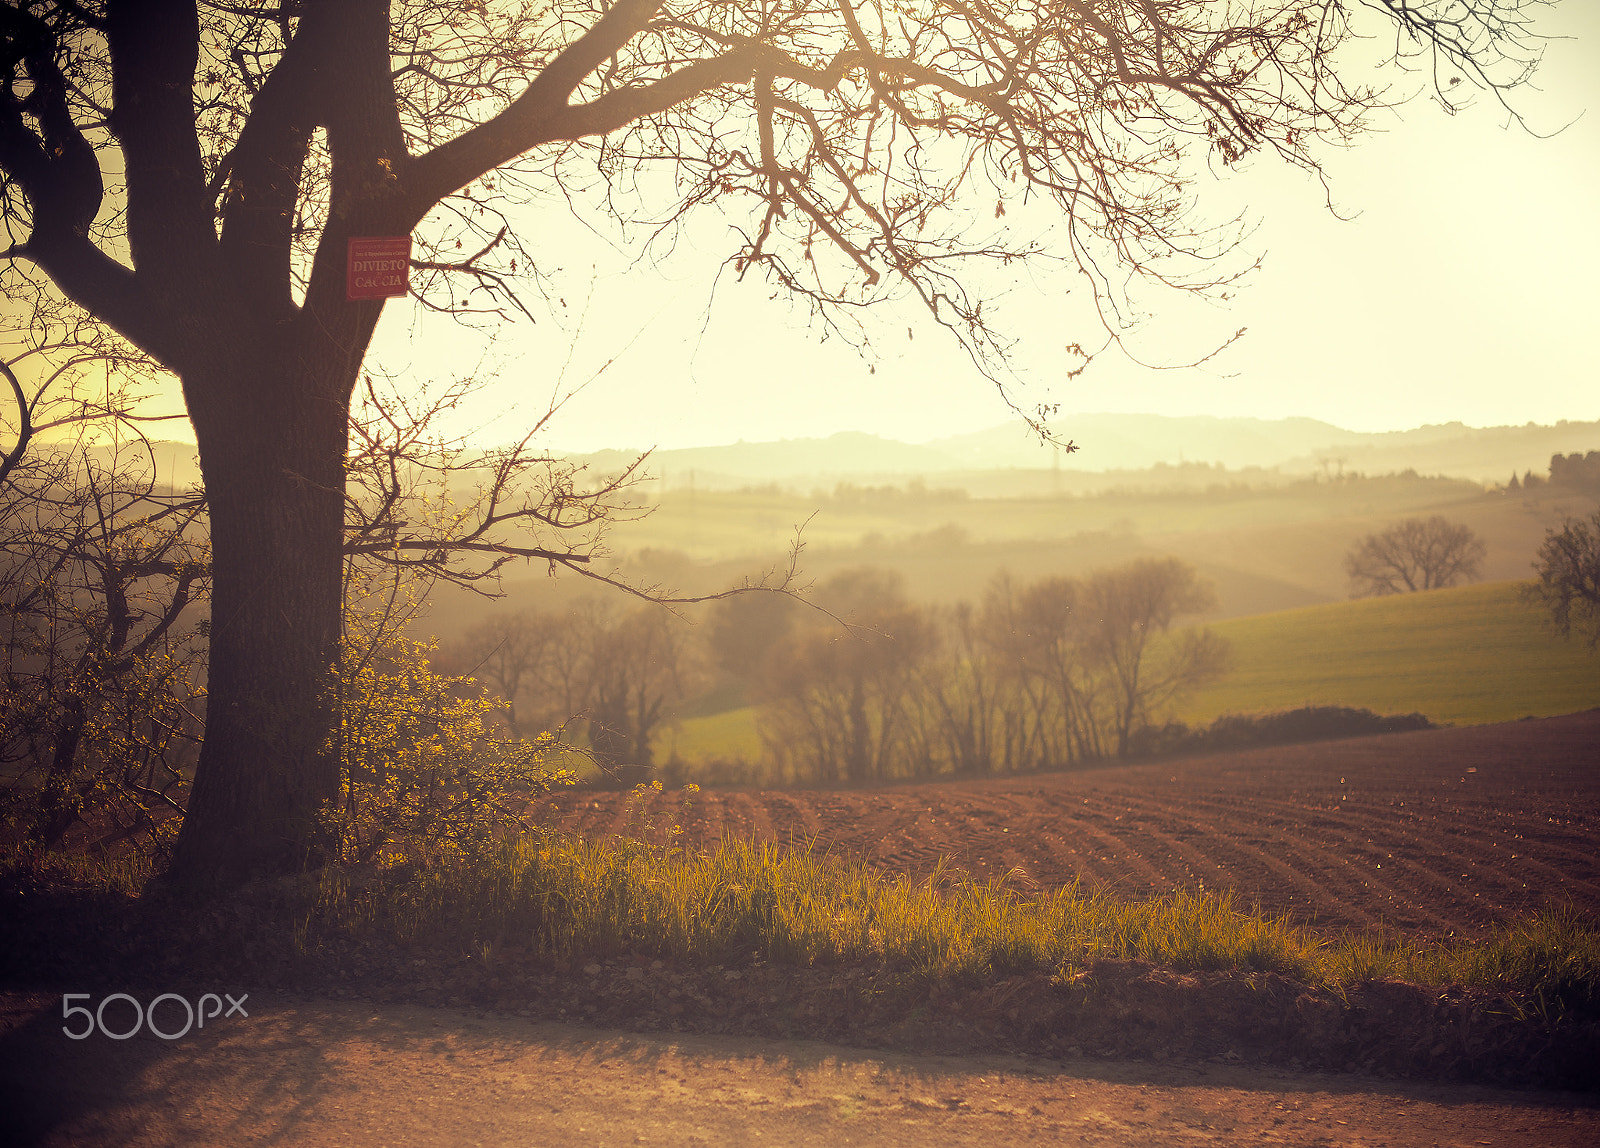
[(1467, 656), (728, 736)]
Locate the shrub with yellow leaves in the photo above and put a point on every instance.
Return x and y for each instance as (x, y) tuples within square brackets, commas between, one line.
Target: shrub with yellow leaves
[(428, 772)]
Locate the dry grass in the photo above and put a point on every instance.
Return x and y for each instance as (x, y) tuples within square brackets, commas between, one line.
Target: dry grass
[(568, 896)]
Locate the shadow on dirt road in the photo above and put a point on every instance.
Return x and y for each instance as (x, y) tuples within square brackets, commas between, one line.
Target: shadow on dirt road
[(296, 1073)]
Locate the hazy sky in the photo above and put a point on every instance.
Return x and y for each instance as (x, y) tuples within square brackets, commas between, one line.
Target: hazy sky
[(1462, 284), (1464, 288)]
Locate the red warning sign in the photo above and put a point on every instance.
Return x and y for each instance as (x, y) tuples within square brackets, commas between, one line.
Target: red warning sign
[(379, 267)]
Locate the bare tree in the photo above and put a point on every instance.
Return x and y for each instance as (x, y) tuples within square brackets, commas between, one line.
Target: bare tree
[(962, 700), (424, 504), (1129, 609), (1092, 659), (100, 705), (840, 700), (743, 631), (1417, 554), (641, 665), (615, 677), (1039, 635), (872, 144), (1046, 675), (508, 653), (1568, 585)]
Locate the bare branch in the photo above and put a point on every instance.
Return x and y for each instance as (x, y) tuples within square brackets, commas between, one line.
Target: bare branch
[(13, 457)]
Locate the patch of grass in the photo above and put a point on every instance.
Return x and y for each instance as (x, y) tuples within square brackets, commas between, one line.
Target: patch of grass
[(563, 899), (1466, 656), (121, 875), (729, 736), (565, 896), (1551, 960)]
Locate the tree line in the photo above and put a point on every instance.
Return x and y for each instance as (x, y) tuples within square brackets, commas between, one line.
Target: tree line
[(858, 683), (1576, 471)]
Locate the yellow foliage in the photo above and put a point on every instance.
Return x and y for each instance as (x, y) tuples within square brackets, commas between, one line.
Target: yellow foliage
[(428, 772)]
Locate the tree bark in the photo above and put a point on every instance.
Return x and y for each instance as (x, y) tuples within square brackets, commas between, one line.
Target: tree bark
[(272, 447)]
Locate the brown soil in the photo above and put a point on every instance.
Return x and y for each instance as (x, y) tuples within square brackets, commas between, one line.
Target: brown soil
[(1437, 832)]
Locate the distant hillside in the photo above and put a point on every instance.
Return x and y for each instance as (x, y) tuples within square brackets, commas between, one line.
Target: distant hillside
[(1295, 446), (1131, 442), (847, 453), (1124, 444), (1484, 454), (1129, 451)]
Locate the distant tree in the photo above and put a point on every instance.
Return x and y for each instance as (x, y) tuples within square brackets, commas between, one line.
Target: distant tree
[(614, 677), (965, 701), (744, 630), (841, 701), (1084, 662), (541, 665), (1417, 554), (1569, 578), (1578, 471), (1129, 607), (641, 667), (1053, 673), (509, 653), (1039, 636)]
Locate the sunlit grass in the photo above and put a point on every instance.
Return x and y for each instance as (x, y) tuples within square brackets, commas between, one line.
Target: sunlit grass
[(567, 896), (1465, 656)]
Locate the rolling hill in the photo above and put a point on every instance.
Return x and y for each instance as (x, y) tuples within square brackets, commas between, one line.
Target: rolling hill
[(1465, 656)]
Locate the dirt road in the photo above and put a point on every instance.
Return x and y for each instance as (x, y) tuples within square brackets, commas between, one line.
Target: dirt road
[(323, 1073)]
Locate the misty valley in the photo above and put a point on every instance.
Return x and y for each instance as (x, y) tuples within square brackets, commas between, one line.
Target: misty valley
[(935, 610)]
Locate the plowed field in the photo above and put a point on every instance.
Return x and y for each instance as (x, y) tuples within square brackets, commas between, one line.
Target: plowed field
[(1432, 832)]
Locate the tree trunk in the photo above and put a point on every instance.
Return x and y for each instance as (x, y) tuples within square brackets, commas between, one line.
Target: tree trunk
[(58, 804), (857, 753), (272, 448)]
